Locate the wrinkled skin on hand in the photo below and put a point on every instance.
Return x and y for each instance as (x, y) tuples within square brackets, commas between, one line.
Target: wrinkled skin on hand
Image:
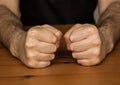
[(38, 45), (87, 43)]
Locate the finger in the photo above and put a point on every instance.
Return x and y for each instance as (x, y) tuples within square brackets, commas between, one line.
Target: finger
[(86, 44), (37, 64), (83, 32), (68, 33), (35, 55), (88, 54), (46, 47), (57, 44), (45, 57), (43, 64), (84, 62), (89, 62), (55, 31), (42, 47), (42, 34)]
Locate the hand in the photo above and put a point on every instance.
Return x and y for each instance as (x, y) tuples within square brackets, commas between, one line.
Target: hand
[(87, 43), (39, 45)]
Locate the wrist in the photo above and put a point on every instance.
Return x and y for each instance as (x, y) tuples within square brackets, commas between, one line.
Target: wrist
[(16, 41), (108, 40), (109, 24)]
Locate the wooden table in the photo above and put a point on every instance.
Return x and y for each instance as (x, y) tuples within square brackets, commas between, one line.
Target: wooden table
[(63, 71)]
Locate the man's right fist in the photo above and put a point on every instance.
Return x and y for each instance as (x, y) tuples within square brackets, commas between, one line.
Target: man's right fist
[(39, 46)]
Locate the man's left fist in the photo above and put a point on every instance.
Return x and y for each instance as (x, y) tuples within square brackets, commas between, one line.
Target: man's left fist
[(86, 43)]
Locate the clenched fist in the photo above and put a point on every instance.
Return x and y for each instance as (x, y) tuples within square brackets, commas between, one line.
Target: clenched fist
[(87, 43), (39, 45)]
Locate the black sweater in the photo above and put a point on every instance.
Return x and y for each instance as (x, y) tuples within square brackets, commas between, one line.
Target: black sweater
[(37, 12)]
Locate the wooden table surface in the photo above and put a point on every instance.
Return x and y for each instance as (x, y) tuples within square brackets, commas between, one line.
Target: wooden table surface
[(63, 71)]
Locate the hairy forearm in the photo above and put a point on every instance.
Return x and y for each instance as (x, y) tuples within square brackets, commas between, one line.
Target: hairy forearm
[(10, 28), (109, 24)]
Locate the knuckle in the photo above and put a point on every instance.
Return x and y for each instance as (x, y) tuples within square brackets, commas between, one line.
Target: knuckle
[(77, 25), (96, 53), (66, 36), (44, 64), (30, 55), (59, 33), (32, 32), (72, 47), (29, 45), (92, 29), (48, 57), (46, 25), (95, 61), (82, 62), (54, 48), (74, 55), (31, 64), (97, 42), (53, 39), (93, 26), (79, 62), (52, 56)]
